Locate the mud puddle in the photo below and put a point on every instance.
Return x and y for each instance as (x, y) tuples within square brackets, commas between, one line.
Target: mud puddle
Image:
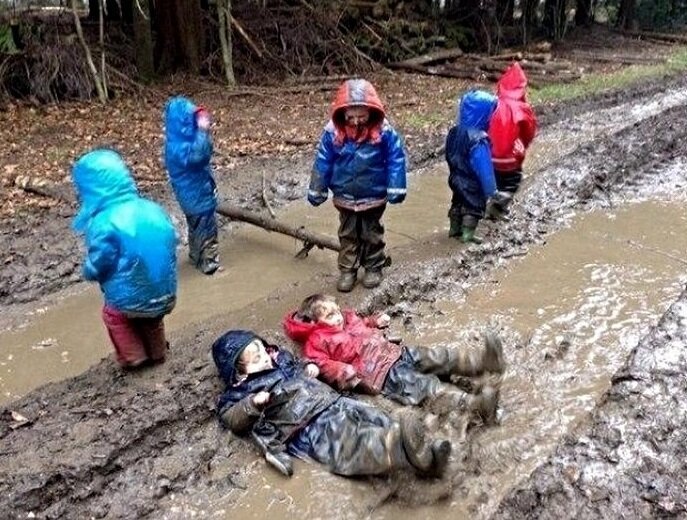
[(570, 312)]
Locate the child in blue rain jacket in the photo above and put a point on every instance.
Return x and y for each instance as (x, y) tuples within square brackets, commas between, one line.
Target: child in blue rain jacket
[(289, 412), (188, 150), (131, 253), (471, 173), (361, 159)]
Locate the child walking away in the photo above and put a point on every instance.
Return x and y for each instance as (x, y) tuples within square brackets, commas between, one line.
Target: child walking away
[(288, 411), (471, 174), (352, 353), (131, 253), (511, 130), (188, 150), (361, 159)]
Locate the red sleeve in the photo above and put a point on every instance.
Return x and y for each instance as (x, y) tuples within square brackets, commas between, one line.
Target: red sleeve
[(316, 349), (527, 125)]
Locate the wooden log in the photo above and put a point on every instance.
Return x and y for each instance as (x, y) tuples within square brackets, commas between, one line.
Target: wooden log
[(428, 59), (266, 222), (666, 37)]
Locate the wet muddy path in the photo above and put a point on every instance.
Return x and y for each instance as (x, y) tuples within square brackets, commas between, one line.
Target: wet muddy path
[(589, 263)]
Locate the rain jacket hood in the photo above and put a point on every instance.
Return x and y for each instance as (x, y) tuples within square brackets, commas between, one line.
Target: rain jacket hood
[(188, 151), (357, 93), (513, 83), (227, 350), (101, 178), (476, 108)]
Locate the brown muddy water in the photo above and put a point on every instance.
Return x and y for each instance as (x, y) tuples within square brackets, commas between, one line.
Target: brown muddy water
[(570, 311)]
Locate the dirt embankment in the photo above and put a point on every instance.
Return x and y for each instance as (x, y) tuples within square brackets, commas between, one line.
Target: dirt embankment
[(103, 444), (630, 459)]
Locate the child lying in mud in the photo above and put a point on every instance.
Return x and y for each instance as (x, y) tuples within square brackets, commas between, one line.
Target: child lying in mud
[(288, 411), (352, 353)]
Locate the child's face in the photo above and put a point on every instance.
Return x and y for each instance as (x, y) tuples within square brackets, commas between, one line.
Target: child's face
[(330, 313), (255, 358), (357, 116)]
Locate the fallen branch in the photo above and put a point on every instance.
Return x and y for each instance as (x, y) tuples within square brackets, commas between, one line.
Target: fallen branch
[(265, 201), (42, 187), (308, 238), (428, 59), (243, 33)]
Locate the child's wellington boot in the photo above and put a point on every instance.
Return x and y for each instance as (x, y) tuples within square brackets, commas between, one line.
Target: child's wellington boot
[(454, 229), (468, 236), (346, 281)]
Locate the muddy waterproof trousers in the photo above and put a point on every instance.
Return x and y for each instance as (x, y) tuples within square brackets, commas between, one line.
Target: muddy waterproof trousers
[(361, 235), (416, 376), (135, 340), (352, 439), (203, 249)]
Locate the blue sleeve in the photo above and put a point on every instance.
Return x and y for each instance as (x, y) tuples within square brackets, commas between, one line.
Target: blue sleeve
[(480, 160), (101, 258), (318, 191), (395, 166), (200, 151)]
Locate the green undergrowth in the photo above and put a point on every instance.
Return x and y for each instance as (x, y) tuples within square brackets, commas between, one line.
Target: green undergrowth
[(598, 82)]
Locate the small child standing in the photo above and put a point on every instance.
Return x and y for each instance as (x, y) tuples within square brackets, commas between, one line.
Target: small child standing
[(511, 130), (353, 354), (188, 150), (289, 412), (131, 253), (361, 159), (471, 174)]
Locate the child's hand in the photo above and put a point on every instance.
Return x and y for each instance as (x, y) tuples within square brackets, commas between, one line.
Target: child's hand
[(261, 398), (351, 379), (311, 370), (203, 119), (383, 320)]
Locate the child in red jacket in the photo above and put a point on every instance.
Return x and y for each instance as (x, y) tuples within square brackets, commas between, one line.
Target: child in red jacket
[(353, 354), (512, 128)]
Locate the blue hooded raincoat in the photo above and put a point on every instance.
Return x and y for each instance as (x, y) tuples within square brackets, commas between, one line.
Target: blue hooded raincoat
[(130, 240), (188, 151), (468, 153)]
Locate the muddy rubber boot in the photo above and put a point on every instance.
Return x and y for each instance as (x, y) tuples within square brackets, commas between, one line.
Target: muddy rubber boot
[(441, 452), (468, 236), (484, 405), (414, 439), (492, 359), (280, 461), (454, 229), (372, 278), (346, 281), (471, 362)]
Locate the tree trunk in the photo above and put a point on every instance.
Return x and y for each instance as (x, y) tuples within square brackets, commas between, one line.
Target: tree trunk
[(179, 41), (99, 86), (224, 18), (627, 15), (143, 40), (529, 19), (504, 11), (555, 15), (584, 13)]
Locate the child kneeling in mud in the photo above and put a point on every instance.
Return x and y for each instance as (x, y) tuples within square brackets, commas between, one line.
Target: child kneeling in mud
[(290, 412), (352, 353)]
